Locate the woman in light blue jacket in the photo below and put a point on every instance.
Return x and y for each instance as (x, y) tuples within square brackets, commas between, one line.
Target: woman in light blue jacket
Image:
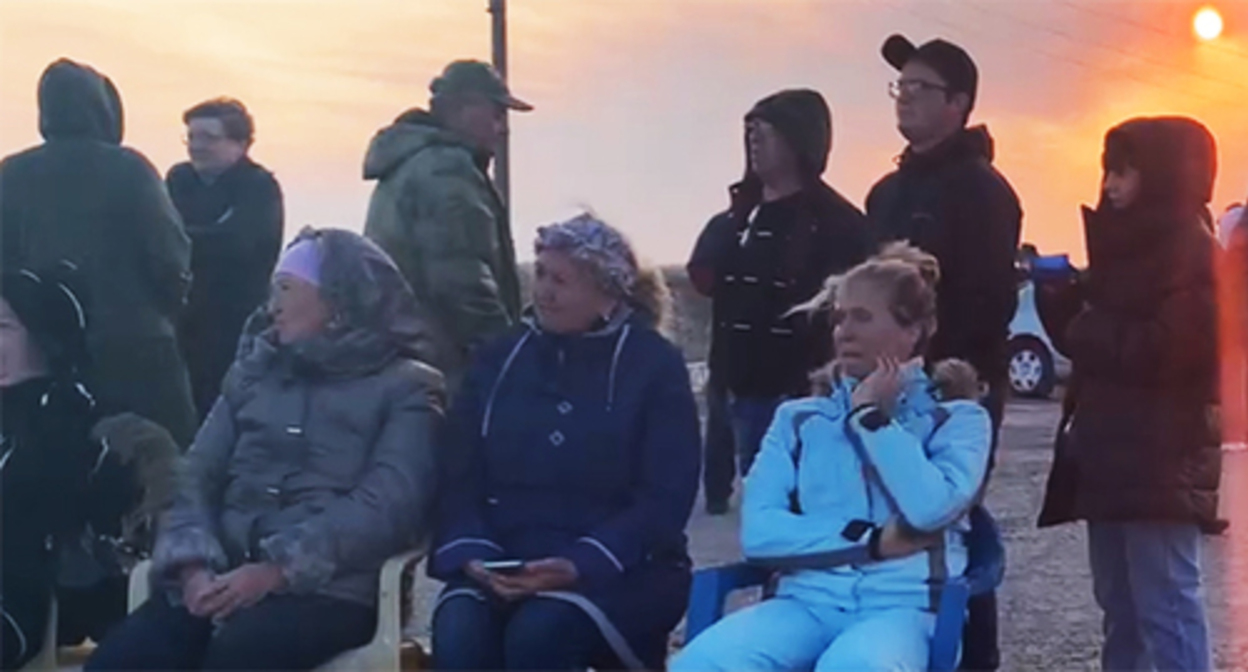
[(859, 495)]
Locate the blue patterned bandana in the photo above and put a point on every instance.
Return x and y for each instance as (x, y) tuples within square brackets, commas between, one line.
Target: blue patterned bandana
[(597, 244)]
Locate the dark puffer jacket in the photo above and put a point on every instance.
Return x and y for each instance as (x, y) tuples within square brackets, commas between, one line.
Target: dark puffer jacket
[(1143, 442), (319, 455)]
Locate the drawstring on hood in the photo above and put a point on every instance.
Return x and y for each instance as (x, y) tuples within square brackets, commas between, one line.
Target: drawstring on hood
[(75, 101), (620, 323)]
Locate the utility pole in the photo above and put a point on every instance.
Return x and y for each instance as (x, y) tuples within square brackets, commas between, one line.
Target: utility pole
[(502, 155)]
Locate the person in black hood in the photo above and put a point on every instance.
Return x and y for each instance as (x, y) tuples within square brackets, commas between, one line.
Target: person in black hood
[(784, 233), (232, 209), (82, 197), (1140, 458), (72, 488), (947, 199)]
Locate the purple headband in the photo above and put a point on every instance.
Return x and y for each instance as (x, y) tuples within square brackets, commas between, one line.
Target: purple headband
[(302, 260)]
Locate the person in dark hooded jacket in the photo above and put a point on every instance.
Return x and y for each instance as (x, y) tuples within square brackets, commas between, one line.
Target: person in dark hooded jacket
[(315, 465), (947, 199), (82, 197), (1140, 458), (784, 233), (573, 453)]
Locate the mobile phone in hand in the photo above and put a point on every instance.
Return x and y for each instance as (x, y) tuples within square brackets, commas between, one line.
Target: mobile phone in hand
[(503, 566)]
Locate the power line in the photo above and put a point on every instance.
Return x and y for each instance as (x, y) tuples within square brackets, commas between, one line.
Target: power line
[(1066, 35), (1127, 20), (1065, 57)]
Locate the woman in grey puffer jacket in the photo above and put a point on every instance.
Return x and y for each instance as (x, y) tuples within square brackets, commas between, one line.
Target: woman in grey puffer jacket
[(314, 466)]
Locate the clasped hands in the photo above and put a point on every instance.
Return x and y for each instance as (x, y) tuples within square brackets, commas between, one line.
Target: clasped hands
[(218, 597)]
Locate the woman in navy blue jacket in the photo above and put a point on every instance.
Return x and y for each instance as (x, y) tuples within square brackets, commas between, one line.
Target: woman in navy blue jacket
[(572, 468)]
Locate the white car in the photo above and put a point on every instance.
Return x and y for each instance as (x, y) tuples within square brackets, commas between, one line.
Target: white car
[(1035, 365)]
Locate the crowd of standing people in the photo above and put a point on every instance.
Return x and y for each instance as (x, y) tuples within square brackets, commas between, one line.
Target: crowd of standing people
[(269, 424)]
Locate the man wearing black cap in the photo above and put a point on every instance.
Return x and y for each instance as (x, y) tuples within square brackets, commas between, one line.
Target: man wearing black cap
[(948, 199), (784, 233), (437, 213)]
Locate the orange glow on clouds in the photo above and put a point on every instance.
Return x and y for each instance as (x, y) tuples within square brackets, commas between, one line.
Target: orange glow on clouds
[(639, 102)]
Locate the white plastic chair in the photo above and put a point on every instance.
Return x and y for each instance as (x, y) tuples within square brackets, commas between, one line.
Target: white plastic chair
[(379, 655)]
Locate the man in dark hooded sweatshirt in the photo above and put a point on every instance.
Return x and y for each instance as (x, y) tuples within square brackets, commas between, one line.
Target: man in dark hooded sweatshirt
[(947, 199), (232, 209), (82, 197), (1141, 457), (784, 233)]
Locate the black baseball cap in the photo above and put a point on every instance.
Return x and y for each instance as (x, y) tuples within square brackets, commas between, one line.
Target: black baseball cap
[(476, 77), (948, 59)]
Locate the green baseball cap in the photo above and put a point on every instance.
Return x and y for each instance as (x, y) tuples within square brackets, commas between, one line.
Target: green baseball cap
[(476, 77)]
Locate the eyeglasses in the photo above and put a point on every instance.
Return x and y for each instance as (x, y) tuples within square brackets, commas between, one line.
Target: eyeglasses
[(202, 139), (912, 87)]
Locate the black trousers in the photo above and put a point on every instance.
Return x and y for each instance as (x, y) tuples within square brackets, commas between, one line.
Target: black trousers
[(90, 612), (24, 622), (282, 632)]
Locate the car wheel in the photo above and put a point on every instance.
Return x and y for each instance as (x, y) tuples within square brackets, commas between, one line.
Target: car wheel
[(1031, 369)]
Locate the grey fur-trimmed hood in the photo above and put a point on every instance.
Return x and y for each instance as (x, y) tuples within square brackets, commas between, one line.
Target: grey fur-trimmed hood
[(376, 316)]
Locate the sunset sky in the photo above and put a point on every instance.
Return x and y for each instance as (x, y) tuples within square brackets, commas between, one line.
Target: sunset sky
[(639, 102)]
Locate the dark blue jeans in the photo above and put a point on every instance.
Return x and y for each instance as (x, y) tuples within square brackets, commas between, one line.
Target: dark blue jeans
[(1147, 581), (720, 452), (282, 632), (536, 634), (751, 417)]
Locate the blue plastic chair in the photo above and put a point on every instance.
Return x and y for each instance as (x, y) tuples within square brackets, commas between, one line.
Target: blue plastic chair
[(986, 568)]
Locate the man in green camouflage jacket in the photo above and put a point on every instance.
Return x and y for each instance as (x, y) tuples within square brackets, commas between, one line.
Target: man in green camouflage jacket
[(436, 212)]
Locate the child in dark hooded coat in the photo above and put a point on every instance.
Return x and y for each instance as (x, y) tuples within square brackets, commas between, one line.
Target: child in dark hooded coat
[(1139, 456)]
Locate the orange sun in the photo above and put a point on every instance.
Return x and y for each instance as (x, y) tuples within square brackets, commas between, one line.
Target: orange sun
[(1207, 24)]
